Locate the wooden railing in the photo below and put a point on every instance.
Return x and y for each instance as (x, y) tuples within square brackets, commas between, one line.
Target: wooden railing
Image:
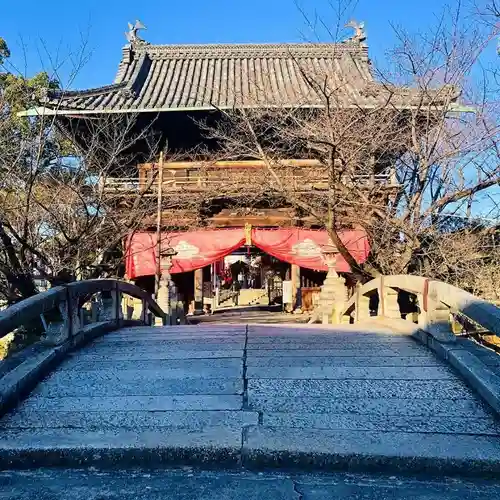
[(207, 181), (63, 315), (437, 303)]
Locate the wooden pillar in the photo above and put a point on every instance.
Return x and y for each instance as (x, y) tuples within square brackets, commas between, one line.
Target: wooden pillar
[(295, 277), (198, 290)]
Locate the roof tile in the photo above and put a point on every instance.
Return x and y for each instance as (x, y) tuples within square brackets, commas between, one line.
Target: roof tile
[(173, 77)]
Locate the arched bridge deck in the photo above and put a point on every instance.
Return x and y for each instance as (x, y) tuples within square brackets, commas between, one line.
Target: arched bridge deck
[(365, 396)]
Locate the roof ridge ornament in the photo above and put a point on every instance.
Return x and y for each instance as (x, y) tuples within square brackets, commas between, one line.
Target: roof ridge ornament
[(359, 31), (132, 36)]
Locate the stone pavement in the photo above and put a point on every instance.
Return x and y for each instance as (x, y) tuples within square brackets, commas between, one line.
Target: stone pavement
[(257, 396), (190, 484)]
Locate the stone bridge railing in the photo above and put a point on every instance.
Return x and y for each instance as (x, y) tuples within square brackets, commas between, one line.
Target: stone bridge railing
[(67, 317), (66, 311), (436, 303)]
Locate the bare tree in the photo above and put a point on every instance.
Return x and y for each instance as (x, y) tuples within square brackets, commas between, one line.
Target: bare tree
[(424, 147), (59, 218)]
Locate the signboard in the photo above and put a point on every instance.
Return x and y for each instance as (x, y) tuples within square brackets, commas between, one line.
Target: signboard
[(287, 292)]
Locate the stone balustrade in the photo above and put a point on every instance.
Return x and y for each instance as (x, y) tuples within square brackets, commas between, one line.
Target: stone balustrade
[(436, 303), (62, 315)]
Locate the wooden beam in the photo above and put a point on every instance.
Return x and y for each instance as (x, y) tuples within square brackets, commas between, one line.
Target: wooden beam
[(183, 165), (257, 221)]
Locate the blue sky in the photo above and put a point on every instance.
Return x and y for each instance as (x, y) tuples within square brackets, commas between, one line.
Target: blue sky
[(58, 27), (34, 29)]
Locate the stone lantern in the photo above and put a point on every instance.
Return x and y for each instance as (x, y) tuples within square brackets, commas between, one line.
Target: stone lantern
[(333, 294), (167, 292)]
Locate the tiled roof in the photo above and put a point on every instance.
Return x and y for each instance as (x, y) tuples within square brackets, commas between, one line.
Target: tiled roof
[(192, 77)]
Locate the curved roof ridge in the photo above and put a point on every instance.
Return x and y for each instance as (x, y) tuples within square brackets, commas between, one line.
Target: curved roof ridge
[(105, 89), (245, 50), (256, 45)]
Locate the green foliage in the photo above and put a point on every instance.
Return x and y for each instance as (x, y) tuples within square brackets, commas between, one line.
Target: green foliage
[(4, 50), (18, 93)]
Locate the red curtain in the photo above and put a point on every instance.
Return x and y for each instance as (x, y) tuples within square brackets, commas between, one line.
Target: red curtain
[(303, 246), (197, 249)]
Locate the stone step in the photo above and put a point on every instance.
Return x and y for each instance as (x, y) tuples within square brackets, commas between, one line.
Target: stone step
[(411, 389), (406, 407), (186, 402), (329, 344), (79, 363), (152, 354), (91, 385), (485, 425), (129, 419), (372, 361), (318, 329), (153, 337), (144, 376), (261, 447), (155, 447), (328, 338), (333, 353), (434, 454), (351, 373), (146, 347), (190, 343)]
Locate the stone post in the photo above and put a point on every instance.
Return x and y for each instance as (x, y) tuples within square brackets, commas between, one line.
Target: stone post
[(362, 310), (333, 294), (111, 306), (436, 320), (391, 305), (58, 330)]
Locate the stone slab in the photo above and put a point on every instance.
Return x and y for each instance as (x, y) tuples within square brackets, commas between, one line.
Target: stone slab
[(73, 448), (349, 421), (137, 484), (410, 389), (352, 373), (162, 346), (155, 387), (377, 487), (442, 407), (192, 484), (135, 403), (97, 420), (192, 344), (342, 353), (351, 340), (153, 337), (132, 354), (372, 451), (318, 329), (303, 361), (117, 376), (482, 379), (402, 347), (200, 329), (79, 363)]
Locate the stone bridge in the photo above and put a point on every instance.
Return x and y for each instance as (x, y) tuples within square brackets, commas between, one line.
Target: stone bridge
[(370, 394)]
